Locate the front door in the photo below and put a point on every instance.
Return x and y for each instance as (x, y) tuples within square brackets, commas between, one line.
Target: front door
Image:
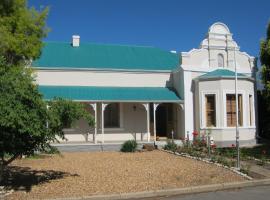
[(161, 120)]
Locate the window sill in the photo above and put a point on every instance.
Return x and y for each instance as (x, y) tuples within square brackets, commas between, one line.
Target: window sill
[(112, 129), (227, 128)]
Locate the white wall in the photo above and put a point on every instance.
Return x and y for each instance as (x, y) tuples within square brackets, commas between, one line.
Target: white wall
[(222, 134), (103, 78), (205, 59), (217, 41), (132, 125)]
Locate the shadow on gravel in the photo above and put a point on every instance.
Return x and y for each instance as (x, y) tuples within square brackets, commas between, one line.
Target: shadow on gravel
[(23, 178)]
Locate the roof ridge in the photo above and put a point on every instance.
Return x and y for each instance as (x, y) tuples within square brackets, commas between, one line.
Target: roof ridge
[(103, 44)]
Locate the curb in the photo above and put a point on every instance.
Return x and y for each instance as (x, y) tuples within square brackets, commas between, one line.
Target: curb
[(177, 191)]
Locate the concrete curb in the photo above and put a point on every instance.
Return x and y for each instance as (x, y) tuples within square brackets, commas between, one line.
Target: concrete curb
[(177, 191)]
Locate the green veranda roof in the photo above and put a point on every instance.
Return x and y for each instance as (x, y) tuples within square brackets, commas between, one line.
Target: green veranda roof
[(119, 94), (222, 73), (100, 56)]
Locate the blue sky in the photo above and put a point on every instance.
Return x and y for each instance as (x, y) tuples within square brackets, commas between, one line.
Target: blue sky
[(169, 24)]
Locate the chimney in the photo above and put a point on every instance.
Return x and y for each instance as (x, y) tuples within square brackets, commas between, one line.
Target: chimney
[(75, 40)]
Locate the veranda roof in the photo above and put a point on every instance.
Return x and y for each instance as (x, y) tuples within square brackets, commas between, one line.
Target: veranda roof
[(110, 94)]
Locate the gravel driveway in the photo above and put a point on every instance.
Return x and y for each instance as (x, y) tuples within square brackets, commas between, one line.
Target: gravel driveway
[(89, 173)]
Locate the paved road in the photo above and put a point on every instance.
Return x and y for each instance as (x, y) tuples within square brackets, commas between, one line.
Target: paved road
[(250, 193)]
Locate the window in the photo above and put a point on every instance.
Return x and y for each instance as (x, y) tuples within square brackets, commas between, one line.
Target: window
[(231, 110), (220, 60), (250, 103), (112, 116), (210, 105)]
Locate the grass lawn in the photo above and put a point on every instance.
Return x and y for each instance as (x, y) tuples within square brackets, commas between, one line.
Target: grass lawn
[(88, 173)]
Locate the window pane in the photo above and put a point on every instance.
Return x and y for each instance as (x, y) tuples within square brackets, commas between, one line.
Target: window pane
[(210, 110), (231, 110), (111, 116)]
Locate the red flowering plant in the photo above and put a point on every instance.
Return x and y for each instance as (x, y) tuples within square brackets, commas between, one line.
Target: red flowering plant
[(199, 141)]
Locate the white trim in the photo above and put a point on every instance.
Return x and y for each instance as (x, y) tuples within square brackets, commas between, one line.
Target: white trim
[(229, 128), (126, 101), (147, 108), (202, 107), (155, 105), (94, 106), (253, 109), (45, 68), (121, 117), (242, 92)]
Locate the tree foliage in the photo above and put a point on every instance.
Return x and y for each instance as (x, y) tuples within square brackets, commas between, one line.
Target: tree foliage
[(21, 31), (64, 113), (264, 95), (23, 112), (265, 59), (24, 116)]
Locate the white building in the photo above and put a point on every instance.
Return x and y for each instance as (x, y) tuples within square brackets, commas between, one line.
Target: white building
[(145, 93)]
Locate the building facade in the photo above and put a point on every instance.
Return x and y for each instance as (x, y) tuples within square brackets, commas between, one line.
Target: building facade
[(149, 94)]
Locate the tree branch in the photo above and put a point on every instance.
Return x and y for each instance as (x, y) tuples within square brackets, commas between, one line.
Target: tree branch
[(6, 162)]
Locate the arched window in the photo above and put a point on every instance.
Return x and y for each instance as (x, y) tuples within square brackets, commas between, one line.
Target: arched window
[(220, 60)]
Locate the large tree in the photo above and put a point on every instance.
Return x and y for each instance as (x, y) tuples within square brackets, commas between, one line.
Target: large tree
[(21, 31), (26, 123), (265, 59), (24, 116), (264, 95)]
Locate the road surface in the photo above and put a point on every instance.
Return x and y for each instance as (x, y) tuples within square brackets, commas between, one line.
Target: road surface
[(249, 193)]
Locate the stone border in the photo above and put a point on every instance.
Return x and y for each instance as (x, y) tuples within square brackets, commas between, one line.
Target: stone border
[(172, 192), (209, 162), (258, 160)]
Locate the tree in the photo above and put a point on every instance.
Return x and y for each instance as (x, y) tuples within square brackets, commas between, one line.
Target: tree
[(64, 113), (23, 113), (265, 59), (21, 31), (264, 96)]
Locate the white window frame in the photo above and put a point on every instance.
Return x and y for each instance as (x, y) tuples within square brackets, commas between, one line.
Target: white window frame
[(121, 116), (253, 107), (220, 55), (203, 109), (242, 92)]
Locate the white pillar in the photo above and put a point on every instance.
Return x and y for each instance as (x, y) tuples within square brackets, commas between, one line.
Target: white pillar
[(147, 108), (103, 106), (154, 110), (94, 105)]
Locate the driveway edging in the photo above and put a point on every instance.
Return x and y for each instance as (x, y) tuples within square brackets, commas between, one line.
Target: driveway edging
[(177, 191)]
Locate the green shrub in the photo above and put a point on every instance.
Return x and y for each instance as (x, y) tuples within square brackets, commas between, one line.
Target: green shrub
[(51, 150), (129, 146), (170, 146)]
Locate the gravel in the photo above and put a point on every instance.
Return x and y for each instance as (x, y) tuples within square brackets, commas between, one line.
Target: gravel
[(92, 173)]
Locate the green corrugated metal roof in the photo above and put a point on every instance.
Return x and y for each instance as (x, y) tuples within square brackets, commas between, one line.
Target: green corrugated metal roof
[(101, 56), (221, 73), (90, 93)]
